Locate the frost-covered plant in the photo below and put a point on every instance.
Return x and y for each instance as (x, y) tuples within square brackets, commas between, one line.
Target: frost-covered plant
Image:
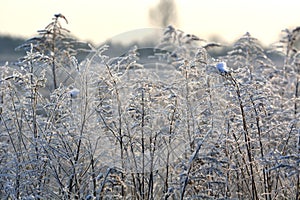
[(55, 43), (177, 45), (21, 122), (42, 132), (257, 121), (289, 44), (141, 114), (248, 93), (197, 100), (183, 127), (288, 155), (242, 122)]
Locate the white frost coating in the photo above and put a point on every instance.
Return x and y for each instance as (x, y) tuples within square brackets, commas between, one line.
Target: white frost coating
[(74, 92), (222, 67)]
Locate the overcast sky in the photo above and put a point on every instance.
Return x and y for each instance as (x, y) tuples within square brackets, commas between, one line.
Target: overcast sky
[(98, 20)]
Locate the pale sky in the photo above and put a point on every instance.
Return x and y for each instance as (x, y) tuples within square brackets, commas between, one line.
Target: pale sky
[(99, 20)]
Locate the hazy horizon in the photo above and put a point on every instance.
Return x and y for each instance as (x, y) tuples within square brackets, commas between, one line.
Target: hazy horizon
[(97, 21)]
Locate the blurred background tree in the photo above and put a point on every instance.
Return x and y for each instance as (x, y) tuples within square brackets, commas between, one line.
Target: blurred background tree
[(164, 14)]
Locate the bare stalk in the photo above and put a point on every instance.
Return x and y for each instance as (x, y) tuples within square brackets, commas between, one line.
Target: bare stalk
[(190, 164), (168, 143), (266, 178), (119, 131), (246, 138)]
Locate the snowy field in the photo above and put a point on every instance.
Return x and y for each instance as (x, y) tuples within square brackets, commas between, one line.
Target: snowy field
[(173, 124)]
